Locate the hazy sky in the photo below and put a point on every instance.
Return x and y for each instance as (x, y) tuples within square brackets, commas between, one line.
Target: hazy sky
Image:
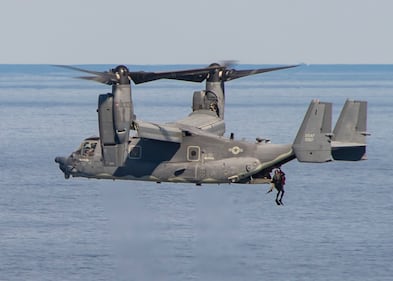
[(196, 32)]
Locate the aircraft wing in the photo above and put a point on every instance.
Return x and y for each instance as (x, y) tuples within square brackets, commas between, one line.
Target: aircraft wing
[(204, 120), (162, 132), (200, 122)]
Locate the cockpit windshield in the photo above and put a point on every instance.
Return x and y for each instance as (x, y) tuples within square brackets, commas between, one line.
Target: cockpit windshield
[(88, 147)]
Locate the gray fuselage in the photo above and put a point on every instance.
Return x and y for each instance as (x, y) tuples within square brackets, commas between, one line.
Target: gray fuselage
[(197, 159)]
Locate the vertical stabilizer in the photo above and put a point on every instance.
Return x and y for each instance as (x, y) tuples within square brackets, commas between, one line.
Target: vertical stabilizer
[(312, 143), (349, 134)]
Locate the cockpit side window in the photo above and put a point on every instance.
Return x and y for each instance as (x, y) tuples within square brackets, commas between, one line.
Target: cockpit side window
[(88, 148)]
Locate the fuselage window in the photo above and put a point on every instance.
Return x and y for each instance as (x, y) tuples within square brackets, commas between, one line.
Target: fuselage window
[(135, 152), (193, 153)]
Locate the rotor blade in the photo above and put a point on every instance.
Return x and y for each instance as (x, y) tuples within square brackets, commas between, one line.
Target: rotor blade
[(228, 63), (80, 69), (102, 77), (191, 75), (199, 74), (99, 79), (234, 74), (140, 77)]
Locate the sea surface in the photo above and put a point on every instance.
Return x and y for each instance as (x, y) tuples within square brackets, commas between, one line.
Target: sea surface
[(337, 222)]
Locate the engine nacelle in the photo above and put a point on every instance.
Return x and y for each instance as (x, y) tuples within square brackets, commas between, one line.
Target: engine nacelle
[(203, 100), (115, 117), (105, 119), (123, 111)]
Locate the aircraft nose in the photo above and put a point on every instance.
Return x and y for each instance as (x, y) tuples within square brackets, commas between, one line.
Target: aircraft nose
[(62, 161)]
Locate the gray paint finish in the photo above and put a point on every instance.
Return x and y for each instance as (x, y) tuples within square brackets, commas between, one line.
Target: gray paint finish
[(194, 149)]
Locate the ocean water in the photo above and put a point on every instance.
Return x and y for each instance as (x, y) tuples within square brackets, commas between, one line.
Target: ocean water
[(336, 223)]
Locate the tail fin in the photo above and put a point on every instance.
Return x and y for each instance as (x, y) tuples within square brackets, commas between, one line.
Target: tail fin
[(312, 143), (349, 134)]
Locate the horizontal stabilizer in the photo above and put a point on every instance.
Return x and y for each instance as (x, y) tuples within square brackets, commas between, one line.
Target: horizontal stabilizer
[(349, 134), (312, 143)]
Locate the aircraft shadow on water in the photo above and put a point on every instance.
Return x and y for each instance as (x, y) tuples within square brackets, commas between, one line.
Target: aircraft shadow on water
[(194, 149)]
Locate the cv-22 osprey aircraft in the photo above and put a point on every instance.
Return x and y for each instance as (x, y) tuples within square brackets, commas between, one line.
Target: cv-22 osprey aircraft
[(194, 149)]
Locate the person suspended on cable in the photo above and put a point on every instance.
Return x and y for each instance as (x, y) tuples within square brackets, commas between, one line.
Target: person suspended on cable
[(278, 182)]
